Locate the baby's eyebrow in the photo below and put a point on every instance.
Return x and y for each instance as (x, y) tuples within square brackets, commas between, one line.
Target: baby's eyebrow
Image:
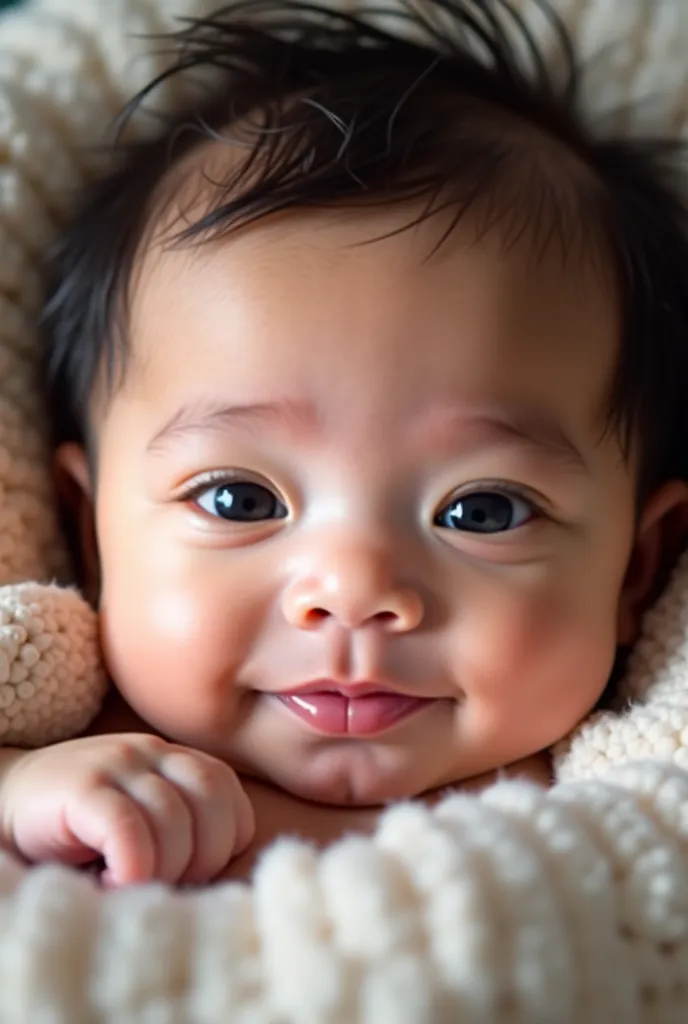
[(529, 427), (209, 415), (445, 427)]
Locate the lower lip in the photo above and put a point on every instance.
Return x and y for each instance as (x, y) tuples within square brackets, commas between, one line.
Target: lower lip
[(337, 715)]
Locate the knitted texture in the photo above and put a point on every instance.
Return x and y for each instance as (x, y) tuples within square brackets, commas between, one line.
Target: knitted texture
[(655, 722), (51, 677), (517, 905)]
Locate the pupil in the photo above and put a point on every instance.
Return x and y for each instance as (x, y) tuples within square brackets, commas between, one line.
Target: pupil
[(245, 502), (479, 513)]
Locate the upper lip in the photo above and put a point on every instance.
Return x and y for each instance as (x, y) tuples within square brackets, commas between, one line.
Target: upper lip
[(351, 690)]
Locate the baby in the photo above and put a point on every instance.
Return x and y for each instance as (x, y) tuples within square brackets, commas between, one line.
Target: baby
[(368, 383)]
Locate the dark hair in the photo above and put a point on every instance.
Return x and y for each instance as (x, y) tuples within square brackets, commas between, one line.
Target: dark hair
[(454, 107)]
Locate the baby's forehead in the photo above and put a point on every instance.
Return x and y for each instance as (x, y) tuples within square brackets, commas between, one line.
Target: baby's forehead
[(340, 278), (570, 247), (555, 229)]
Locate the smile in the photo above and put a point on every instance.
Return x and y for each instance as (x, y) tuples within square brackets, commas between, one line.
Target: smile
[(339, 714)]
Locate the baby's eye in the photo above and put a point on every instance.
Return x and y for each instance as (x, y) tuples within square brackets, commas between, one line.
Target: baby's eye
[(485, 512), (241, 501)]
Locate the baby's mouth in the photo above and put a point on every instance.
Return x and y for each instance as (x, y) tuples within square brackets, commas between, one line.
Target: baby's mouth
[(357, 710)]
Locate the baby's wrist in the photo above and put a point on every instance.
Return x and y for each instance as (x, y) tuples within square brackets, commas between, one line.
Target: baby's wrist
[(10, 759)]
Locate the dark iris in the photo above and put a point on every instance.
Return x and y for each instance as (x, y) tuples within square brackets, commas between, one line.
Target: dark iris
[(247, 503), (484, 512)]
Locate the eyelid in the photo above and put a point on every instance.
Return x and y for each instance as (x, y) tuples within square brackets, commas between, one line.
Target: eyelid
[(508, 488), (190, 489)]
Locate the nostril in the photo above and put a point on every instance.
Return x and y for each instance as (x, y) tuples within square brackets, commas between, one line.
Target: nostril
[(386, 617), (315, 615)]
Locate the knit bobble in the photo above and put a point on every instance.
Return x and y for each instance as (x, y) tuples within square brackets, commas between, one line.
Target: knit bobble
[(51, 677)]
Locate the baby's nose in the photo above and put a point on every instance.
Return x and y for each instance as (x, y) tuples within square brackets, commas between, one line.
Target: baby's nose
[(355, 586)]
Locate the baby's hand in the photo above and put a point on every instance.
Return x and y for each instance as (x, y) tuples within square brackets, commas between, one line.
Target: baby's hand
[(147, 808)]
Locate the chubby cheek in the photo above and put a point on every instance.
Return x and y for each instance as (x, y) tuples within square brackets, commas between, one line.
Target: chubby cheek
[(174, 640), (535, 664)]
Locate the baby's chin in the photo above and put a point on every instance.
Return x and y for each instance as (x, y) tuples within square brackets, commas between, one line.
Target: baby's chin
[(350, 775)]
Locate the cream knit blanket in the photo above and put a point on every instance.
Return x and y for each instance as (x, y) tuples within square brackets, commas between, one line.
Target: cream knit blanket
[(515, 906)]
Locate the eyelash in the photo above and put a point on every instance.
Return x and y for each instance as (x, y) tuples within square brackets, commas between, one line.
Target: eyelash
[(215, 478), (504, 487)]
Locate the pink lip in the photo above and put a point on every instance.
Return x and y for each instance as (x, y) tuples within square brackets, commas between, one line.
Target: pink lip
[(351, 709)]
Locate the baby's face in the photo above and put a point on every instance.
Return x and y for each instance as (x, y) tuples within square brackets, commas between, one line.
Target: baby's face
[(358, 533)]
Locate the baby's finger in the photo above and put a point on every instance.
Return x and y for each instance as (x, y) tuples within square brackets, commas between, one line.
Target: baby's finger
[(222, 813), (108, 822), (170, 821)]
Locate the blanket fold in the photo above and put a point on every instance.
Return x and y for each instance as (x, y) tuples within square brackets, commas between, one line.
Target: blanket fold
[(520, 905)]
